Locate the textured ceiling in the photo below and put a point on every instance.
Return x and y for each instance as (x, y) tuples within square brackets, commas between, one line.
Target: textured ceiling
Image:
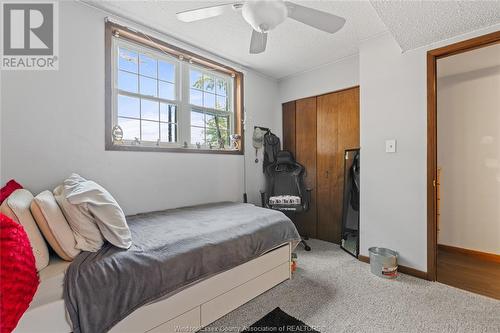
[(479, 59), (418, 23), (292, 47)]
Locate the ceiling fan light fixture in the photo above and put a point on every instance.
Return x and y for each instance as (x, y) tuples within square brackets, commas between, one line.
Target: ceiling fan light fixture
[(264, 15)]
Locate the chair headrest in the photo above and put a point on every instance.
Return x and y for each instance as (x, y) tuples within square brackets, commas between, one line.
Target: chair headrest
[(285, 157)]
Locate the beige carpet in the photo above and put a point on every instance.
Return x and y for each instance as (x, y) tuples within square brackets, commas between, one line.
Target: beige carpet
[(333, 292)]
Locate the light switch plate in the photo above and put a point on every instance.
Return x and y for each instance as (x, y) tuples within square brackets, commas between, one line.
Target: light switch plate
[(390, 146)]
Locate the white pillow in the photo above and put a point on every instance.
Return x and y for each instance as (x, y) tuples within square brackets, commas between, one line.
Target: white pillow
[(54, 226), (87, 234), (17, 207), (107, 213)]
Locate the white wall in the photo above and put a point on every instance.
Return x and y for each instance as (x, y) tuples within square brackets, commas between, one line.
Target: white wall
[(53, 124), (468, 120), (393, 186), (331, 77)]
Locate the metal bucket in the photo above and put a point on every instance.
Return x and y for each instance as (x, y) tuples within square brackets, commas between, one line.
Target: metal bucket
[(383, 262)]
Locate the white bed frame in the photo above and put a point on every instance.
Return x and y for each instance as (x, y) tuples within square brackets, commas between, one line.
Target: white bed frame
[(188, 310)]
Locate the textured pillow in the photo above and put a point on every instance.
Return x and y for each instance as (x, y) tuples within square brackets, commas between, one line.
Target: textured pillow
[(103, 207), (17, 207), (17, 273), (7, 190), (87, 234), (54, 226)]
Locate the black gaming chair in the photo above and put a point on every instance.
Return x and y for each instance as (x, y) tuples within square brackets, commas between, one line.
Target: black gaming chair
[(286, 177)]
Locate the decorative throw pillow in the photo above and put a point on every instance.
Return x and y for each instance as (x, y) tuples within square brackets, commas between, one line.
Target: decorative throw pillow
[(54, 226), (17, 273), (87, 234), (7, 190), (17, 207), (107, 213)]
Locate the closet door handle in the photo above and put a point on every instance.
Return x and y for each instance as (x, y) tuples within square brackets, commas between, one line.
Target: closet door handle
[(327, 173)]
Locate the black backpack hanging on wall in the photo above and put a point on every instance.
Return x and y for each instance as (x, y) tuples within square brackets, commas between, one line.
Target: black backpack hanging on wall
[(272, 146)]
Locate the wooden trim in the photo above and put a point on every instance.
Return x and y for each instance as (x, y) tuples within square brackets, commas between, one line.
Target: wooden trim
[(403, 269), (111, 29), (239, 110), (327, 93), (466, 45), (432, 57), (364, 259), (473, 253), (152, 149), (431, 168), (142, 38)]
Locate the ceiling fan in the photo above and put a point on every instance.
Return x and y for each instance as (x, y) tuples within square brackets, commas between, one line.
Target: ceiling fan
[(265, 15)]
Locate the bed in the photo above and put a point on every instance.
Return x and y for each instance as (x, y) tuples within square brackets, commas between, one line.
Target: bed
[(187, 268)]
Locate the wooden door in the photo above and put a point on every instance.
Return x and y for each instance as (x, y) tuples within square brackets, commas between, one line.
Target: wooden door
[(328, 167), (337, 130), (305, 154), (289, 127)]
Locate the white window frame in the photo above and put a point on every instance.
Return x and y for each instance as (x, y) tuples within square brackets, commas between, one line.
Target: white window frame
[(189, 107), (182, 98)]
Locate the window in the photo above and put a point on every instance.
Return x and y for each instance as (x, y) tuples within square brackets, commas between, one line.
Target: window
[(211, 108), (164, 98)]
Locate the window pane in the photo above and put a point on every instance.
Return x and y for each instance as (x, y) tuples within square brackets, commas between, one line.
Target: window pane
[(221, 87), (166, 71), (147, 66), (130, 127), (168, 132), (209, 83), (195, 79), (127, 60), (196, 97), (213, 136), (150, 110), (148, 87), (168, 113), (150, 130), (225, 137), (209, 100), (197, 119), (197, 135), (167, 90), (210, 120), (127, 81), (221, 103), (223, 122), (128, 106)]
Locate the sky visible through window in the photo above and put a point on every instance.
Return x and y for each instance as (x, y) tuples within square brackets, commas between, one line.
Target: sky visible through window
[(148, 105), (145, 114)]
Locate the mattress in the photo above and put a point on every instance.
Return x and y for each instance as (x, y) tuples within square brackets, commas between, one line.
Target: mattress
[(171, 249), (51, 283)]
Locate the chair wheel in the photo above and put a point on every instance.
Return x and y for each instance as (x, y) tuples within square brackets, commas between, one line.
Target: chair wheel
[(307, 248)]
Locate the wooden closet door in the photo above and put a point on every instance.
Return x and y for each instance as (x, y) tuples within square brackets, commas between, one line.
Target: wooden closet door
[(337, 130), (289, 127), (305, 154), (328, 167)]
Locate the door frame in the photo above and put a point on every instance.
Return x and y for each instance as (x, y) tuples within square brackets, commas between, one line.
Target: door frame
[(432, 57)]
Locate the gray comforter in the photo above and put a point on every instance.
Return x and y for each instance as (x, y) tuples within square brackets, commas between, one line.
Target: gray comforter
[(170, 249)]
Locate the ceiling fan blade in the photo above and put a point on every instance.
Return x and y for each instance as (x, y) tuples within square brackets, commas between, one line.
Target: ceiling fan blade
[(315, 18), (258, 42), (206, 12)]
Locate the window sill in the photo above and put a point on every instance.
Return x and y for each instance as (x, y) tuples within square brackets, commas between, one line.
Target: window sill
[(119, 147)]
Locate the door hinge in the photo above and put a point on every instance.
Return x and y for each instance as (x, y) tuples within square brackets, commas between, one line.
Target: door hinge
[(434, 183)]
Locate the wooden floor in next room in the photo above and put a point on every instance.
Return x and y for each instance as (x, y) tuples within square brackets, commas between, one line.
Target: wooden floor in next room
[(479, 274)]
